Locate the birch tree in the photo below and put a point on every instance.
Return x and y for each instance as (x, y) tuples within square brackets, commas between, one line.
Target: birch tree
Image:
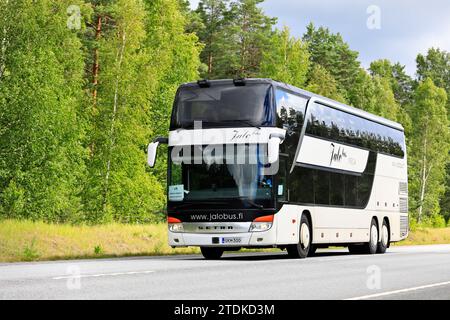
[(429, 148)]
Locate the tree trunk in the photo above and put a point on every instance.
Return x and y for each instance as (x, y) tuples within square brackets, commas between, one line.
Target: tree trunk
[(113, 121), (3, 49), (96, 66), (423, 178)]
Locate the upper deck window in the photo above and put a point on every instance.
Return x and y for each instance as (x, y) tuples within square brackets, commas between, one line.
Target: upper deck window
[(336, 125), (223, 105)]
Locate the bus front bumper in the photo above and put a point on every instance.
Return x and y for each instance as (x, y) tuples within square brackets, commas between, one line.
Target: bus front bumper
[(236, 240)]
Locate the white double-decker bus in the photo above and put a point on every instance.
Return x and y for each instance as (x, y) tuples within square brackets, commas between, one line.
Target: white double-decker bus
[(254, 163)]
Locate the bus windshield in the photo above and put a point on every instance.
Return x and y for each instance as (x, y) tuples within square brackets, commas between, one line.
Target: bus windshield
[(222, 104), (231, 182)]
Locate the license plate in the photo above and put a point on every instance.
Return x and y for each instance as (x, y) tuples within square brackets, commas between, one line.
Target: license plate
[(230, 240)]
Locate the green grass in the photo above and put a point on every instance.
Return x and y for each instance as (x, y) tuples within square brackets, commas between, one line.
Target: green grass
[(39, 241), (424, 236)]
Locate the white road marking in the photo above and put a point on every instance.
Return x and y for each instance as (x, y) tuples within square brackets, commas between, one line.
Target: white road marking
[(377, 295), (102, 275)]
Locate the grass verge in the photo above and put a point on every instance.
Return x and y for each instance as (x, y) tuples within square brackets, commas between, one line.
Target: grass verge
[(424, 236), (39, 241)]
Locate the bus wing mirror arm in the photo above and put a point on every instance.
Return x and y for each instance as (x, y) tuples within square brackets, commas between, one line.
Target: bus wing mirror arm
[(153, 150), (273, 148)]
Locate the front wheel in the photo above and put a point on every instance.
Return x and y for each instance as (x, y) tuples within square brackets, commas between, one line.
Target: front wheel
[(302, 249), (211, 253)]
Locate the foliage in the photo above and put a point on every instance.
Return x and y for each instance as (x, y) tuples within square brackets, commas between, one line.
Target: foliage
[(78, 107), (286, 59), (41, 158), (322, 82), (427, 154), (331, 52)]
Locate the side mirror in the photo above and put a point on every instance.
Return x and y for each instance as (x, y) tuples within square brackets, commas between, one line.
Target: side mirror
[(153, 150), (273, 148)]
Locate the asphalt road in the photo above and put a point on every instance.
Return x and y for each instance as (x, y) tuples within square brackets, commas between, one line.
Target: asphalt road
[(421, 272)]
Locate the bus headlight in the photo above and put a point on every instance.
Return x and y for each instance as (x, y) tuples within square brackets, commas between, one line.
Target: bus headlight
[(262, 224), (175, 225)]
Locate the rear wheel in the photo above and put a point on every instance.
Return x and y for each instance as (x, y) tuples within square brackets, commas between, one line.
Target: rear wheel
[(211, 253), (301, 249), (312, 251), (369, 247), (384, 242)]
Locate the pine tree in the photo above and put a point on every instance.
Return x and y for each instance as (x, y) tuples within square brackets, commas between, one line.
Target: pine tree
[(331, 52), (214, 17), (41, 158), (247, 35), (286, 59), (322, 82), (401, 83)]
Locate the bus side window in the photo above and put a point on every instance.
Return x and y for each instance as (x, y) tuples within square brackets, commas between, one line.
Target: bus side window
[(282, 190)]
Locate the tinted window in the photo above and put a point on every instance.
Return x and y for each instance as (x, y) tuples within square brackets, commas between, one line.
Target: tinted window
[(313, 186), (290, 116), (301, 185), (221, 105), (337, 189), (322, 187), (340, 126), (351, 191), (290, 110)]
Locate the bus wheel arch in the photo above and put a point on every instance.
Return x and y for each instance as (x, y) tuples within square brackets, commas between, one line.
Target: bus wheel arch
[(303, 247), (312, 247)]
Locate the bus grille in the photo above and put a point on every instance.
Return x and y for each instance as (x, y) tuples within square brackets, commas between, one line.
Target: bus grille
[(404, 225), (403, 188), (404, 205)]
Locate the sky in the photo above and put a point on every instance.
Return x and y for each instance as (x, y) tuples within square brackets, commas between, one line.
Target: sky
[(393, 29)]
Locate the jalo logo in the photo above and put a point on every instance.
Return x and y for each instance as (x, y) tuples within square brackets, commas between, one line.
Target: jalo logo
[(337, 155)]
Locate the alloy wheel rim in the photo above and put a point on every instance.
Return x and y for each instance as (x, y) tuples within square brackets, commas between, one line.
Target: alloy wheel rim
[(374, 235), (304, 236), (385, 235)]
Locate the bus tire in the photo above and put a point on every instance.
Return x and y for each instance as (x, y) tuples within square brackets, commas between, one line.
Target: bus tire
[(302, 248), (211, 253), (384, 241), (372, 246), (312, 251)]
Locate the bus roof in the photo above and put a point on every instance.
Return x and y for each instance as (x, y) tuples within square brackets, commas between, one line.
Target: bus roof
[(341, 106)]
